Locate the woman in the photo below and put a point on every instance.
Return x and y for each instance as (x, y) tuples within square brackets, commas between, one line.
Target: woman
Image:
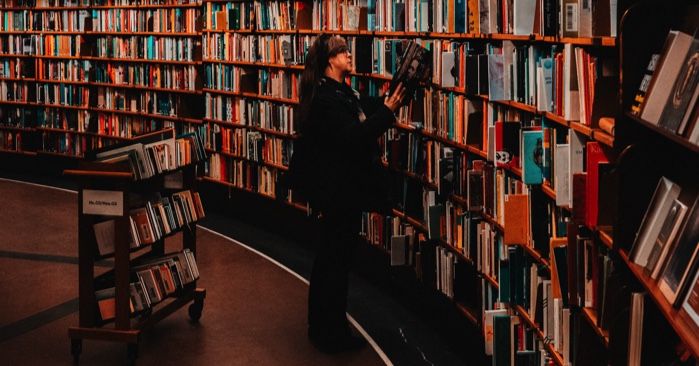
[(336, 166)]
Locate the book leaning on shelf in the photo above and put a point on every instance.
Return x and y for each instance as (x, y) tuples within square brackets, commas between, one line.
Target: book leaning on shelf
[(154, 153), (152, 282)]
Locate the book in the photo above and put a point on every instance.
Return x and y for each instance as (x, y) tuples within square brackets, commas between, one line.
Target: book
[(682, 263), (665, 193), (414, 69), (532, 156), (683, 92), (666, 236), (675, 50)]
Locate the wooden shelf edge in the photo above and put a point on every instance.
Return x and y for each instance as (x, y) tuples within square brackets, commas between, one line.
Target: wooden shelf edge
[(667, 134), (591, 317), (557, 358), (469, 313), (674, 317)]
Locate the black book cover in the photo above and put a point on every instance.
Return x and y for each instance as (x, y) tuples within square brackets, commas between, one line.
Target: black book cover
[(483, 74), (415, 68), (471, 73)]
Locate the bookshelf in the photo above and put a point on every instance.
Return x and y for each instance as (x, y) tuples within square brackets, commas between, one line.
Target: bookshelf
[(241, 71), (125, 313)]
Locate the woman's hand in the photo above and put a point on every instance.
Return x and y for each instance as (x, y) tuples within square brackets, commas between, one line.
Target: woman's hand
[(395, 100)]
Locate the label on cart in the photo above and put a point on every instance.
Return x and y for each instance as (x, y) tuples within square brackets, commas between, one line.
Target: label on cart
[(107, 203)]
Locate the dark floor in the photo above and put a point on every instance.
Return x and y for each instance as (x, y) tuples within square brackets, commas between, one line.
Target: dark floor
[(270, 329)]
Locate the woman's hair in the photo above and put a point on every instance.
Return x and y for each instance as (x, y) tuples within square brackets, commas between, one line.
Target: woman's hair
[(318, 57)]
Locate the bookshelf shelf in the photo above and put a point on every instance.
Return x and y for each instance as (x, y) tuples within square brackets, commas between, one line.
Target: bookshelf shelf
[(57, 154), (85, 133), (148, 6), (256, 128), (147, 115), (676, 318), (40, 32), (18, 152), (16, 128), (557, 358), (127, 34), (679, 140), (591, 316), (492, 280), (148, 88), (469, 313), (416, 223), (265, 163), (15, 55), (606, 237), (259, 64), (58, 81), (548, 190), (251, 95), (26, 80), (140, 60)]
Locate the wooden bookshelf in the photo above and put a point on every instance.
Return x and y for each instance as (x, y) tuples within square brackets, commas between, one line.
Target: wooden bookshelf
[(18, 152), (470, 314), (591, 316), (259, 64), (265, 163), (557, 358), (675, 317), (139, 60), (126, 34), (147, 115), (252, 95), (677, 139), (256, 128), (148, 88), (85, 133), (606, 238)]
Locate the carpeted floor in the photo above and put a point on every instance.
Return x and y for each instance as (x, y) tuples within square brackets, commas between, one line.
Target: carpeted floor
[(254, 312)]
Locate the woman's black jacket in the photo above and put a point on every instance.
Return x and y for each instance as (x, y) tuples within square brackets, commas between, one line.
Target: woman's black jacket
[(336, 163)]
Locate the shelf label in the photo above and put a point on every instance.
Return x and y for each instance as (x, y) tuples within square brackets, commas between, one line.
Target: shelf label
[(108, 203)]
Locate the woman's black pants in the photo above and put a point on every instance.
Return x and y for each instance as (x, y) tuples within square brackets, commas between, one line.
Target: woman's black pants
[(327, 297)]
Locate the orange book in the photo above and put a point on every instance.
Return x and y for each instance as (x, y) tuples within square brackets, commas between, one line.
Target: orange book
[(516, 219)]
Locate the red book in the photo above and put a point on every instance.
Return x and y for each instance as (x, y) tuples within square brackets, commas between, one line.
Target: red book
[(579, 198), (595, 156)]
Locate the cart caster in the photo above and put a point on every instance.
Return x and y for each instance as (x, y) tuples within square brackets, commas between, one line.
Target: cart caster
[(196, 307), (76, 348), (195, 310), (131, 353)]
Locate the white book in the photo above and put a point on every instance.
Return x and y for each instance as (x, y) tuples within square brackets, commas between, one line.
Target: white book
[(576, 142), (571, 97), (488, 328), (524, 11), (561, 168), (665, 193), (676, 48)]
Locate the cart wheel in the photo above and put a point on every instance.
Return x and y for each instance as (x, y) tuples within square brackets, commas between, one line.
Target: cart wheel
[(195, 311), (76, 347), (132, 353)]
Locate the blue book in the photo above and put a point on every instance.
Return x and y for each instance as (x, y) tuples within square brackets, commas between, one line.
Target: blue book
[(532, 156), (460, 16)]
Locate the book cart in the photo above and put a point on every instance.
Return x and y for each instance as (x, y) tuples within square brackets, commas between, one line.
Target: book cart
[(109, 187)]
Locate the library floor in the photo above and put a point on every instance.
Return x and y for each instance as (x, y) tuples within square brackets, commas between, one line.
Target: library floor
[(254, 311)]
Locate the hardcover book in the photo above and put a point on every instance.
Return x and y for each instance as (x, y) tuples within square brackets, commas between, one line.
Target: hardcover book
[(414, 69)]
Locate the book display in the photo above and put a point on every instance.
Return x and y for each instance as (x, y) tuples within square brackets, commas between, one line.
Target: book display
[(543, 166), (127, 216)]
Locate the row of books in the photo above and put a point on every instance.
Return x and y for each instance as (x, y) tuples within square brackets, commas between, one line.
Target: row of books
[(251, 145), (160, 103), (565, 18), (166, 20), (17, 116), (155, 157), (104, 124), (250, 112), (16, 68), (665, 244), (274, 83), (62, 94), (147, 47), (65, 143), (178, 77), (26, 20), (669, 90), (152, 220), (153, 282), (68, 70), (15, 92), (43, 3), (11, 140), (43, 45), (279, 49), (243, 174), (229, 15)]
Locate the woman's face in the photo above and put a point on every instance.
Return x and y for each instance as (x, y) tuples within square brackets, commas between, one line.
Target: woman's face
[(342, 60)]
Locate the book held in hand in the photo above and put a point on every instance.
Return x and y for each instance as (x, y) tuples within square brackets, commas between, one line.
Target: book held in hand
[(414, 68)]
